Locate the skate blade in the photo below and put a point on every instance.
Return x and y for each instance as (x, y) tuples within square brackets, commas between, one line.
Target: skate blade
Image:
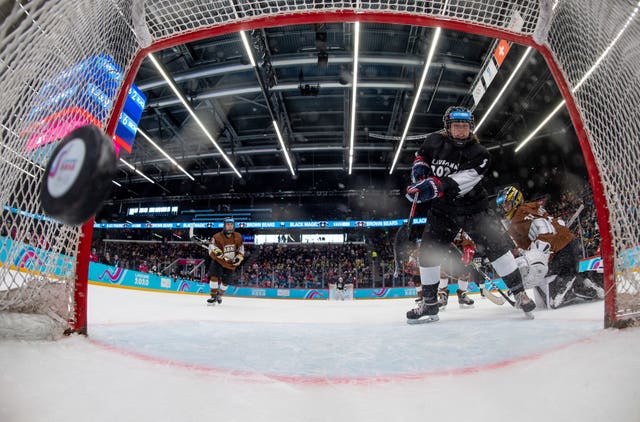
[(431, 318), (529, 315), (465, 306), (211, 304)]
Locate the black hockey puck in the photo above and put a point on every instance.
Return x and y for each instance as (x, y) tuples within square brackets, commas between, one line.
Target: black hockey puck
[(78, 176)]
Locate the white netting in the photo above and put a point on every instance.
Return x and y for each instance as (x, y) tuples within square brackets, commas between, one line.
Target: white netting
[(42, 39), (346, 293), (612, 120)]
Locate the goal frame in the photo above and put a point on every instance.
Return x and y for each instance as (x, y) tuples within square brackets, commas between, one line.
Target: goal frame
[(348, 15)]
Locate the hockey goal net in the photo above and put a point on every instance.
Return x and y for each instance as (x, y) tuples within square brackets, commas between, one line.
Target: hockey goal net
[(44, 45), (345, 293)]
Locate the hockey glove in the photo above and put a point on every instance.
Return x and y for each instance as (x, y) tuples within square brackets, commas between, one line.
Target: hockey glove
[(420, 170), (215, 252), (237, 260), (428, 189), (467, 255)]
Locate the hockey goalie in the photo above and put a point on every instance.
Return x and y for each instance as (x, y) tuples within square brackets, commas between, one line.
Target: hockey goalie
[(549, 252)]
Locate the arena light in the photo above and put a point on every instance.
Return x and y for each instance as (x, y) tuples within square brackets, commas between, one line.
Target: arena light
[(284, 150), (186, 105), (504, 88), (354, 89), (432, 50), (247, 48), (116, 183), (174, 162), (132, 167), (586, 76)]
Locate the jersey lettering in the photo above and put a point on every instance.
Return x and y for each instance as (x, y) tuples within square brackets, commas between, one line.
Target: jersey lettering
[(443, 168)]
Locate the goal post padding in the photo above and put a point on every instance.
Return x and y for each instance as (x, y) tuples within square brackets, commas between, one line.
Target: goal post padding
[(55, 35)]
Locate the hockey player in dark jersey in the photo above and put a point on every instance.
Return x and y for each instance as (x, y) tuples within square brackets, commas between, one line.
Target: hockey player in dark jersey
[(447, 172)]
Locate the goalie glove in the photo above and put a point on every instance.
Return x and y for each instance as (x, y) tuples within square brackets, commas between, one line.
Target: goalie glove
[(428, 189), (237, 260), (467, 255)]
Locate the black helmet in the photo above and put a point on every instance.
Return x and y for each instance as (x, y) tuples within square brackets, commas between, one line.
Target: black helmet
[(458, 114)]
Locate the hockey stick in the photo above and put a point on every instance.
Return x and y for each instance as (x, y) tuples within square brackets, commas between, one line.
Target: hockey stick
[(487, 291), (203, 243), (197, 240), (575, 216), (402, 235)]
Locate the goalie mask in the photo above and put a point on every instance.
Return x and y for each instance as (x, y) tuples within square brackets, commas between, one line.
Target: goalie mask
[(229, 226), (457, 114), (508, 200)]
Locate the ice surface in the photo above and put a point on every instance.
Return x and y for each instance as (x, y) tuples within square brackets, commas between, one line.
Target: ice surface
[(169, 357)]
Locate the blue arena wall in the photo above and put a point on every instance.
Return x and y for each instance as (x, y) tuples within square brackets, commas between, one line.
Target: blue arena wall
[(24, 257), (119, 277)]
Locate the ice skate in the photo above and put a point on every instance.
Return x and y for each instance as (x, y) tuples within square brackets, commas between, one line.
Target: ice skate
[(424, 313), (591, 286), (463, 300), (213, 300), (564, 286), (525, 303), (443, 298)]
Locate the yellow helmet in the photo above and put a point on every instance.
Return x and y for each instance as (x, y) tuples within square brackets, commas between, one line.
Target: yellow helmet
[(509, 196)]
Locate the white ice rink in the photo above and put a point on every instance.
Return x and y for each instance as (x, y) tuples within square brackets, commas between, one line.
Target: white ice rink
[(168, 357)]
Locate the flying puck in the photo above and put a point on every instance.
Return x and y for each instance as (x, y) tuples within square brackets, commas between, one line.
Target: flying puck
[(78, 176)]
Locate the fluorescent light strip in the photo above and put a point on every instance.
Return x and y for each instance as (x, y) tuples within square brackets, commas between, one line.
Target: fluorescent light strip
[(128, 164), (284, 150), (540, 126), (275, 124), (186, 105), (504, 88), (354, 89), (607, 50), (584, 78), (174, 162), (247, 48), (137, 171), (145, 176), (432, 50), (117, 184)]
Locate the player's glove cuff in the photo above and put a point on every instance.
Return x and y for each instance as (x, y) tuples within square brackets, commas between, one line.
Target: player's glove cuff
[(420, 170)]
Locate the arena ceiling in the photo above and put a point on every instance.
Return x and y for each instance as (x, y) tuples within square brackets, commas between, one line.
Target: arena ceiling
[(303, 80)]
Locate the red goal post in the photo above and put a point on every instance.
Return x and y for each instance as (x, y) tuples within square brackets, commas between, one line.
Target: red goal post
[(42, 39)]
